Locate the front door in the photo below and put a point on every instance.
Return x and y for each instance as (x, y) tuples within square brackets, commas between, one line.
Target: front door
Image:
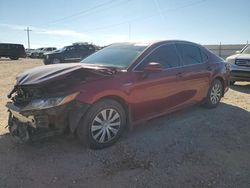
[(155, 93)]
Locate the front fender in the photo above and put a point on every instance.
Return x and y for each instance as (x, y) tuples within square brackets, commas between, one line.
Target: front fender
[(76, 113)]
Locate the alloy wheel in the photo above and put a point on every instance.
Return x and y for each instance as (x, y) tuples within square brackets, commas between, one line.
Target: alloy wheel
[(215, 94), (105, 125)]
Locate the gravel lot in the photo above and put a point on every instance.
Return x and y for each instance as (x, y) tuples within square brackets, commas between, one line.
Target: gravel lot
[(195, 147)]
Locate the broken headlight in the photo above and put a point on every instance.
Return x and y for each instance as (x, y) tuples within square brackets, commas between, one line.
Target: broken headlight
[(39, 104)]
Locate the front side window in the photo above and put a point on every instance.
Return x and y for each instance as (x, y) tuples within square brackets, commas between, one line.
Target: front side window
[(191, 55), (70, 48), (165, 55)]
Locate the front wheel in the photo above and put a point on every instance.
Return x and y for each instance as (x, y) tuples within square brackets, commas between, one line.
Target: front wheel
[(102, 125), (214, 94), (55, 61)]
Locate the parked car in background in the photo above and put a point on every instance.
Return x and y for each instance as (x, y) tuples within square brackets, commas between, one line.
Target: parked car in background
[(240, 65), (69, 54), (36, 52), (117, 87), (28, 51), (45, 50), (12, 51)]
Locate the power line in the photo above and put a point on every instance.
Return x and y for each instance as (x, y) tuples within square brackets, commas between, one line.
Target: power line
[(192, 3), (28, 35), (81, 12)]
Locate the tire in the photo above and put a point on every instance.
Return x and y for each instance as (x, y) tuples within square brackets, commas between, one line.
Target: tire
[(55, 61), (97, 133), (214, 94), (232, 83)]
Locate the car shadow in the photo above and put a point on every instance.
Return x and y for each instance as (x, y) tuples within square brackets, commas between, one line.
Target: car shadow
[(178, 147), (241, 88)]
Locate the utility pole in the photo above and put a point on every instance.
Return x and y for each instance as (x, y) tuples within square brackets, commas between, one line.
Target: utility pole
[(28, 34)]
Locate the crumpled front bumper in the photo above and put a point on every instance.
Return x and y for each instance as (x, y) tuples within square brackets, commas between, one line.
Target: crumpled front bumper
[(51, 119)]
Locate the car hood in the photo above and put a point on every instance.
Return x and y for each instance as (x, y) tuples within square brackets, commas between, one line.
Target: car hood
[(239, 56), (58, 72)]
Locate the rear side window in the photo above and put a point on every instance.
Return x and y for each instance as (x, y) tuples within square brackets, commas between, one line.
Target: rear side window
[(165, 55), (204, 56), (191, 55)]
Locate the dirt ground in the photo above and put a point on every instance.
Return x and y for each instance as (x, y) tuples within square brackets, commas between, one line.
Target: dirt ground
[(195, 147)]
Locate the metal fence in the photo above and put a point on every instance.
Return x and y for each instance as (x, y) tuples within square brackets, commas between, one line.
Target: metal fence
[(225, 50)]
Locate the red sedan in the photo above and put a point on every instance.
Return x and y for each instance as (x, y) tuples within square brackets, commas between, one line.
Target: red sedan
[(116, 87)]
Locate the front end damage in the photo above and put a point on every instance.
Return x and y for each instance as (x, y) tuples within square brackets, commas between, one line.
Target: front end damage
[(30, 119), (43, 102)]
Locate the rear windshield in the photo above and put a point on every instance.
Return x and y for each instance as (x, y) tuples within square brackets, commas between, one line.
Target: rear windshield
[(116, 55)]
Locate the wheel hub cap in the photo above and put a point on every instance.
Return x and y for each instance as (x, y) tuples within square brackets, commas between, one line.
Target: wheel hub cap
[(215, 94), (105, 125)]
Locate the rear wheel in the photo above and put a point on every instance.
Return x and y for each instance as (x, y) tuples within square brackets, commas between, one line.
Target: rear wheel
[(102, 125), (214, 94)]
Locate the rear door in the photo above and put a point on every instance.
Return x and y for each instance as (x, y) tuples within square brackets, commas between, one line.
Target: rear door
[(196, 71)]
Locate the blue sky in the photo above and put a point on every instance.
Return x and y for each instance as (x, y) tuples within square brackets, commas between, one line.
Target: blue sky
[(62, 22)]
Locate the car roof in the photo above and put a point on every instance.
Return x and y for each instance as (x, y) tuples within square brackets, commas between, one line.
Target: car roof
[(151, 43)]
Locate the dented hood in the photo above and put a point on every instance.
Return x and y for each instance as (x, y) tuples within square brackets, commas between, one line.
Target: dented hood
[(48, 73)]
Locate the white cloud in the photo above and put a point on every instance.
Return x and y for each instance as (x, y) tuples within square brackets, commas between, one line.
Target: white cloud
[(54, 32), (63, 32)]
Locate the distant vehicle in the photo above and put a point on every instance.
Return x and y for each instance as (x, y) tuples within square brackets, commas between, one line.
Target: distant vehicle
[(240, 65), (45, 50), (12, 51), (69, 54), (35, 53), (28, 51)]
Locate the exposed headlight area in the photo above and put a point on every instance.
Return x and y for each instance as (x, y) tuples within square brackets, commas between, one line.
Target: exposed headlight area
[(230, 60), (40, 104)]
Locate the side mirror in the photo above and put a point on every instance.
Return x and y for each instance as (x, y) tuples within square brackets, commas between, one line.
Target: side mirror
[(153, 67), (238, 52)]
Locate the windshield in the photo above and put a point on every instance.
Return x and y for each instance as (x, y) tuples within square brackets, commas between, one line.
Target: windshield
[(116, 55), (246, 50)]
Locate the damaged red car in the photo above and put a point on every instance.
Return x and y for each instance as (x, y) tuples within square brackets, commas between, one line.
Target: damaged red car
[(117, 87)]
